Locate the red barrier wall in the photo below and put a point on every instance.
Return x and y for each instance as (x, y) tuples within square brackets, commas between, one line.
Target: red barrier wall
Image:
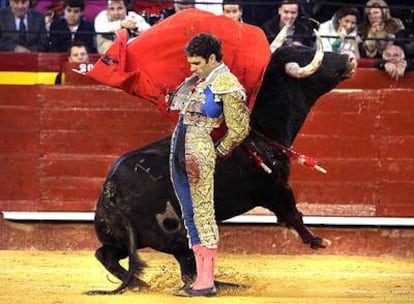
[(365, 138), (58, 142)]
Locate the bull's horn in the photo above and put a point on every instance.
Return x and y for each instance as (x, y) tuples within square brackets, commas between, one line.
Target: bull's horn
[(294, 70), (280, 38)]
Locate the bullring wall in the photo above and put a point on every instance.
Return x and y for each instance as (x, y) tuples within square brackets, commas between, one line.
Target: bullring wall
[(58, 142)]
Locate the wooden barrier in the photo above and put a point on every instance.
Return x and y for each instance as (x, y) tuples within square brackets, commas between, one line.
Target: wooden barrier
[(58, 142), (365, 139)]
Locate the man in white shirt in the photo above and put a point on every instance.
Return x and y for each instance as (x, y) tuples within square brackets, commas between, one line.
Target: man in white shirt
[(114, 18), (212, 6)]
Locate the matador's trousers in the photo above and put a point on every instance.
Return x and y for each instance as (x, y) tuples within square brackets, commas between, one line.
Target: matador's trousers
[(192, 164)]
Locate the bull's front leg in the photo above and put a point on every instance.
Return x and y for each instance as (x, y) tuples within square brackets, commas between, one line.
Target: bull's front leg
[(187, 264), (296, 221), (288, 214)]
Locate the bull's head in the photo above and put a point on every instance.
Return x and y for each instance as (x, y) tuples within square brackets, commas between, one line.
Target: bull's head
[(294, 80), (295, 69), (315, 69)]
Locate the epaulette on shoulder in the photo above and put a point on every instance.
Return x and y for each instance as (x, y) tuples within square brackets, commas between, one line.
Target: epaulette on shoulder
[(226, 83)]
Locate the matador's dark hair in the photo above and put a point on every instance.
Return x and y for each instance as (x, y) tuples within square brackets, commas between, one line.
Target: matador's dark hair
[(204, 45)]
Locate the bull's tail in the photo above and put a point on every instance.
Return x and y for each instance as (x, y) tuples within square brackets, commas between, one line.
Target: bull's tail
[(135, 264)]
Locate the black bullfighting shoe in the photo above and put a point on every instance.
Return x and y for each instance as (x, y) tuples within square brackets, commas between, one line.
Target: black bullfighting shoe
[(189, 292)]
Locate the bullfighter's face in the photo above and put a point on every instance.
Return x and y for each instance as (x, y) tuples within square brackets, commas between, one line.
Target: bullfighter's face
[(202, 67)]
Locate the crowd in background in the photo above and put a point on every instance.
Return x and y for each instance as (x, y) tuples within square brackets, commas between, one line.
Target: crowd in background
[(368, 29)]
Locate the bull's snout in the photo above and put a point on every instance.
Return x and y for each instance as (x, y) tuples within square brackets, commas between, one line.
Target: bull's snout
[(351, 65)]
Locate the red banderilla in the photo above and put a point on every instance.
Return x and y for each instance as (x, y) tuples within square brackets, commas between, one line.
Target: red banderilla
[(292, 154)]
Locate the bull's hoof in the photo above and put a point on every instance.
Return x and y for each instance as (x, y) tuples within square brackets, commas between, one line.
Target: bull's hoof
[(318, 242)]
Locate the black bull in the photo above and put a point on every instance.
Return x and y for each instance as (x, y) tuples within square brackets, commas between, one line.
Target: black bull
[(138, 208)]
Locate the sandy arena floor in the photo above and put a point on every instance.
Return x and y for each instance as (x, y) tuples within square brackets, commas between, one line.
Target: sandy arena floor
[(63, 277)]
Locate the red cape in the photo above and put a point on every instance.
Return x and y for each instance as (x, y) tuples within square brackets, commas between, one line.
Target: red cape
[(154, 64)]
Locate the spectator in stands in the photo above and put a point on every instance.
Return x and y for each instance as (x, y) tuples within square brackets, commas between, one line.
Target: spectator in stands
[(92, 7), (178, 6), (342, 29), (22, 29), (50, 15), (70, 27), (114, 18), (378, 29), (324, 10), (404, 10), (233, 10), (77, 53), (51, 10), (212, 6), (299, 31), (406, 38), (394, 62)]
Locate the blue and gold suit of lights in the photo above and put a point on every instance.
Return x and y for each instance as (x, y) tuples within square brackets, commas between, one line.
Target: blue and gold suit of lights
[(203, 106)]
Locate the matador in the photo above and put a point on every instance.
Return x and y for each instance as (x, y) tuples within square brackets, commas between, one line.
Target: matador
[(211, 96)]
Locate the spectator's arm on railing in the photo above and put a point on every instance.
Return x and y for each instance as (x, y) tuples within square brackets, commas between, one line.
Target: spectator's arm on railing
[(103, 25)]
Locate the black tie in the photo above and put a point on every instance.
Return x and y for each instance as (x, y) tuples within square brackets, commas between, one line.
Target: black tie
[(22, 32)]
